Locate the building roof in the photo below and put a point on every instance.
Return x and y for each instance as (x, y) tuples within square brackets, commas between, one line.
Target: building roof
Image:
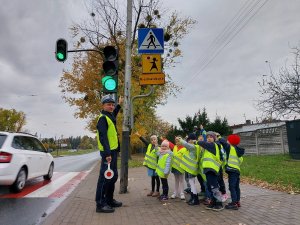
[(258, 126)]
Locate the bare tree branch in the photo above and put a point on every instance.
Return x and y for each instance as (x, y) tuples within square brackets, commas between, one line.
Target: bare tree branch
[(280, 95)]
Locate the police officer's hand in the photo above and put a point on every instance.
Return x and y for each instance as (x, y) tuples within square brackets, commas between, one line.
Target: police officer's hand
[(108, 159), (121, 100), (137, 133)]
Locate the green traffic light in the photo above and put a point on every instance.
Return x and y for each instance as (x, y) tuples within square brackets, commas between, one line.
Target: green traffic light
[(104, 79), (110, 70), (60, 56), (61, 51), (109, 83)]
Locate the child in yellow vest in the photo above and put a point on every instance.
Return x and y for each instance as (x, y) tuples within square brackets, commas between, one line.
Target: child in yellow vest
[(211, 166), (164, 166), (178, 172), (232, 168), (200, 176), (190, 165), (150, 164)]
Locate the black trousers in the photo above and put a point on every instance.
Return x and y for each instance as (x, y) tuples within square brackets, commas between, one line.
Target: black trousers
[(212, 183), (165, 186), (234, 186), (221, 182), (201, 182), (153, 180), (106, 187)]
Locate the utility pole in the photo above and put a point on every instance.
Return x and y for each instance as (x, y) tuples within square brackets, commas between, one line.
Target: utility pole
[(127, 89)]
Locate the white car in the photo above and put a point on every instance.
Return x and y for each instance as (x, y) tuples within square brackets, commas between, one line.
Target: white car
[(22, 157)]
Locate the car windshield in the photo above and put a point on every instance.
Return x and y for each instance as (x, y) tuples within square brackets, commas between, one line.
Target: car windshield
[(2, 139)]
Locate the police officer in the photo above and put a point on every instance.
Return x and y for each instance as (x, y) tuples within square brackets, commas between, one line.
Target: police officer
[(108, 145)]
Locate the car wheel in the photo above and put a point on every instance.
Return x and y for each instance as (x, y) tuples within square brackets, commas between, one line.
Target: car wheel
[(50, 172), (20, 181)]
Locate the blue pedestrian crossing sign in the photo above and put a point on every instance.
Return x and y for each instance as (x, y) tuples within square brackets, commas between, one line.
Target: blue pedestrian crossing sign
[(151, 40)]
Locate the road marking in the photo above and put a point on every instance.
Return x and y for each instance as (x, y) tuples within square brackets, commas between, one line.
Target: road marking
[(33, 185), (60, 186), (67, 188), (45, 191)]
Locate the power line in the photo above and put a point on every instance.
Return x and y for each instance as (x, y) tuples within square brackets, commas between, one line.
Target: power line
[(228, 33), (213, 45)]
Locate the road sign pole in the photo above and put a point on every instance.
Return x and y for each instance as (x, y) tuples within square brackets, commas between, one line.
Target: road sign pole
[(127, 88)]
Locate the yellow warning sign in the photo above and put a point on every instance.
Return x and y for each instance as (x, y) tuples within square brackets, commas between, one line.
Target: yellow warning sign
[(158, 78), (151, 63)]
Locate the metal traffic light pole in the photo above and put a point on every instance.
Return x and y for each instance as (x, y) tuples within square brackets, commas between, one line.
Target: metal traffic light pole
[(126, 106), (127, 89)]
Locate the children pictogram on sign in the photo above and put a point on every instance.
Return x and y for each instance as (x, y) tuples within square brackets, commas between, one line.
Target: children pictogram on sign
[(153, 66), (151, 63)]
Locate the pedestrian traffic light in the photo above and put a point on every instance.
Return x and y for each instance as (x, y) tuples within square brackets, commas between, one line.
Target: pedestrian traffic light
[(110, 70), (61, 50)]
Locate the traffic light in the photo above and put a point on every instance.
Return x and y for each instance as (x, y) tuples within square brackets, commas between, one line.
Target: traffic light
[(110, 70), (61, 50)]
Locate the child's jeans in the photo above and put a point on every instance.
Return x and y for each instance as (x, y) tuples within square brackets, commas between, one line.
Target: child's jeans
[(221, 182), (207, 193), (165, 186), (213, 186), (234, 186)]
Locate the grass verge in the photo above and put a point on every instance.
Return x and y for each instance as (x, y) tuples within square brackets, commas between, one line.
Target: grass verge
[(277, 172), (135, 161), (60, 153)]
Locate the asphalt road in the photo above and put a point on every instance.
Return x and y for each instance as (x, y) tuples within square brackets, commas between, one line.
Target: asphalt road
[(33, 207)]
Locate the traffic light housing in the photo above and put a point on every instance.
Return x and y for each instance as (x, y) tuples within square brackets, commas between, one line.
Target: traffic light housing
[(61, 52), (110, 70)]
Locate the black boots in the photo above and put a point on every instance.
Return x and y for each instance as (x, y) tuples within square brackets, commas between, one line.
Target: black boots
[(105, 209), (108, 208), (194, 199), (115, 203)]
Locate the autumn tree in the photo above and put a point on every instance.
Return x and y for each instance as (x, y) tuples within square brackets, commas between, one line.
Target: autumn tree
[(49, 143), (86, 142), (107, 26), (280, 94), (12, 120)]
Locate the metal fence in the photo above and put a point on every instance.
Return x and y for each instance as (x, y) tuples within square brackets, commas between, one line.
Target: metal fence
[(265, 141)]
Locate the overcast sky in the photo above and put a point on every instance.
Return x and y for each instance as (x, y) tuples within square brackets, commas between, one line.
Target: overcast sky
[(224, 57)]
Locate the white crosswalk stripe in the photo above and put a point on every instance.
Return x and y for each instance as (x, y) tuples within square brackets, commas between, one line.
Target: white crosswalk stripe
[(52, 186)]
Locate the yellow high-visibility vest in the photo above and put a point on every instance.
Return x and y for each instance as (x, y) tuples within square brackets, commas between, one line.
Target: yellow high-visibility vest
[(161, 165), (177, 158), (112, 135), (190, 164), (211, 161), (150, 159), (233, 160), (200, 166)]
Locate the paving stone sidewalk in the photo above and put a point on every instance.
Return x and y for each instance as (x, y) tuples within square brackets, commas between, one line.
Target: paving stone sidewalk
[(259, 206)]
